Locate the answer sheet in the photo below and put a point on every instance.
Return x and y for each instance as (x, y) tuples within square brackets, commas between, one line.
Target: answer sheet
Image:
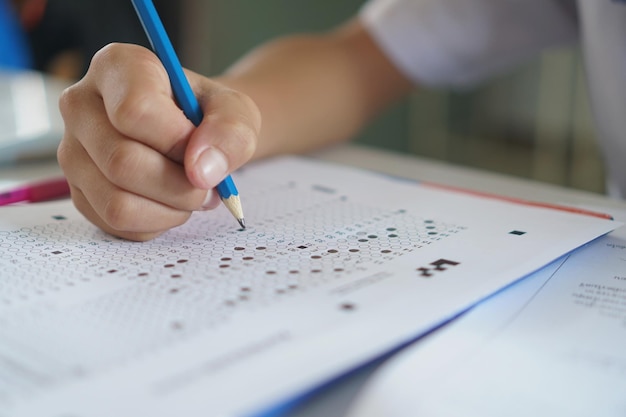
[(552, 345), (337, 267)]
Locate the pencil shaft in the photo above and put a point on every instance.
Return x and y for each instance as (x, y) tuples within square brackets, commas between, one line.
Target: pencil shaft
[(155, 31)]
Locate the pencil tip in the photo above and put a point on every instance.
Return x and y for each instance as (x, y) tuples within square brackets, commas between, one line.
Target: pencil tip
[(242, 223)]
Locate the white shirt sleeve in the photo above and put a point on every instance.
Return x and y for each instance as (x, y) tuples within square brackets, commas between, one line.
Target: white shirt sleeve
[(460, 42)]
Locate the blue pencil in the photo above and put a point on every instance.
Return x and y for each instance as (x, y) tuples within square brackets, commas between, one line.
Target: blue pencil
[(182, 91)]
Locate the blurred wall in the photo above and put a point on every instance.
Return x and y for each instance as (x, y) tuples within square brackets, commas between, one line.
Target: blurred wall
[(534, 122), (82, 27)]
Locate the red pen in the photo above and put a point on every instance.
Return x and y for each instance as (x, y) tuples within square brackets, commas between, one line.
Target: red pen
[(37, 191)]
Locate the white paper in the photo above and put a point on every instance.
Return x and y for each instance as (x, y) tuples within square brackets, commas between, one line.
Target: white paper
[(552, 345), (337, 267)]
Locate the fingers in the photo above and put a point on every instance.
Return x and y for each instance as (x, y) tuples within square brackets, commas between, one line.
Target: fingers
[(135, 164), (139, 103), (111, 208), (138, 99), (124, 186), (123, 211), (126, 163), (116, 220)]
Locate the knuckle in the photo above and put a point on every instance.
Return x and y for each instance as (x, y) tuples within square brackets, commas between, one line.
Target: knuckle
[(109, 53), (114, 70), (69, 154), (250, 114), (72, 102), (64, 153), (244, 138), (116, 213), (67, 101), (122, 163), (130, 111), (241, 128), (236, 138)]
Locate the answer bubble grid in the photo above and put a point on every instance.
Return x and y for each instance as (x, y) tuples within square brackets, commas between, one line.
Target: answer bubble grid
[(193, 279)]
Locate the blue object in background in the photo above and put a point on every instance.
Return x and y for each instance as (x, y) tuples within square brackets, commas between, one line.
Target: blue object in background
[(14, 49)]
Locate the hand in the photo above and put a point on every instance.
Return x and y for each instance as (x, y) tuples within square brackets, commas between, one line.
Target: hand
[(135, 164)]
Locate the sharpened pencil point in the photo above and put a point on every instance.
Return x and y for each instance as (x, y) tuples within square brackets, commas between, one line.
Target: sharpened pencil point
[(233, 204)]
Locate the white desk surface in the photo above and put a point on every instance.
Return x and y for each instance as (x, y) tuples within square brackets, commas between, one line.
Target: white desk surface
[(335, 400)]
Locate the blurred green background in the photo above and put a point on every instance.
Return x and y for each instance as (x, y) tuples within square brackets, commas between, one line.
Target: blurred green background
[(532, 122)]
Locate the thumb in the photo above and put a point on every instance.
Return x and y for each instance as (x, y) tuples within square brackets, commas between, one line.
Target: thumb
[(225, 140)]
